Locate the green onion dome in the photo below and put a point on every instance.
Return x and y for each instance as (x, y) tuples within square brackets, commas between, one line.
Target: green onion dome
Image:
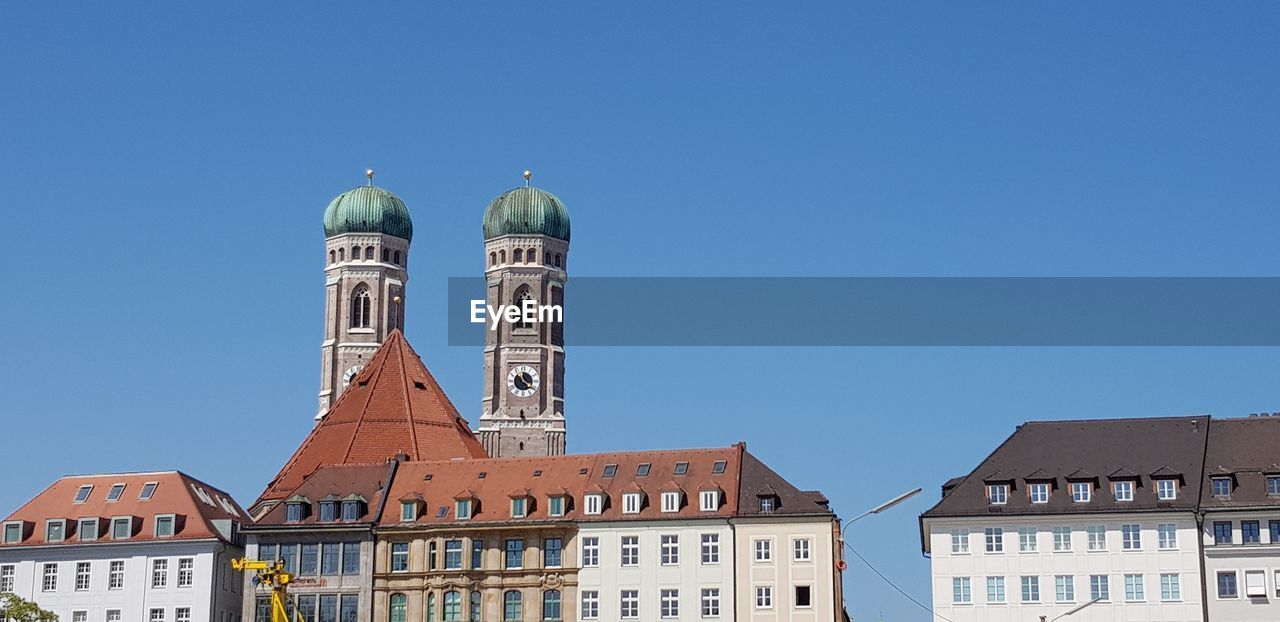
[(526, 211), (368, 209)]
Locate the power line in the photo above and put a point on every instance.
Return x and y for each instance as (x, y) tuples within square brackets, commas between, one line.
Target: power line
[(894, 585)]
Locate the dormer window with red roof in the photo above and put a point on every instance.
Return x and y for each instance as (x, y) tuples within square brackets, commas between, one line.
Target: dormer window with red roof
[(87, 529), (593, 503), (165, 525), (671, 501), (13, 532), (709, 500), (296, 509), (55, 530), (353, 508), (411, 507), (631, 502), (82, 493), (121, 527), (329, 508), (462, 509), (555, 505), (519, 504)]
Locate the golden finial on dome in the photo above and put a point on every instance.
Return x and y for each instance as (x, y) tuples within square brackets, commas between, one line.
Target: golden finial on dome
[(528, 175), (369, 173)]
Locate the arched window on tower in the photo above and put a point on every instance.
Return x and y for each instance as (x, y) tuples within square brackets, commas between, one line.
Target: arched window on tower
[(332, 255), (386, 255), (523, 294), (360, 307), (548, 259), (397, 258), (517, 256), (342, 254), (502, 257), (493, 259), (368, 253), (355, 253), (532, 255), (557, 260)]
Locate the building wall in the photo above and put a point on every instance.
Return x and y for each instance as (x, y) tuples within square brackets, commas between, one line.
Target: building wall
[(690, 576), (213, 596), (492, 579), (1080, 563), (318, 583), (783, 572), (1241, 559)]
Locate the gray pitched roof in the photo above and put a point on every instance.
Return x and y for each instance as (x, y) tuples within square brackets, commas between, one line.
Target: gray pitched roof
[(1248, 450)]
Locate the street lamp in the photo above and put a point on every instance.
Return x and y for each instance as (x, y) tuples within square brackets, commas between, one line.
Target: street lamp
[(1072, 611), (883, 506)]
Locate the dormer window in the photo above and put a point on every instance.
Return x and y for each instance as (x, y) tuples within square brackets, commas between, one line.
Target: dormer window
[(1273, 485), (329, 510), (55, 530), (408, 511), (12, 533), (555, 505), (594, 504), (82, 494), (293, 512), (709, 500), (462, 509), (1081, 492), (87, 529), (1039, 492), (164, 525), (997, 494), (671, 501), (121, 527), (1221, 486), (351, 509), (766, 505), (631, 502), (1166, 489), (113, 495), (1123, 490), (518, 507)]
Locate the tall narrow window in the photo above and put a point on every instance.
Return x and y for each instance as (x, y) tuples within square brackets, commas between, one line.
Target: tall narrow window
[(452, 606), (360, 307), (396, 258), (517, 255), (511, 606), (551, 605), (523, 295), (399, 608)]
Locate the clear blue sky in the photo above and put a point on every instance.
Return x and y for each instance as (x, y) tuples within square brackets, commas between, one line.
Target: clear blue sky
[(164, 170)]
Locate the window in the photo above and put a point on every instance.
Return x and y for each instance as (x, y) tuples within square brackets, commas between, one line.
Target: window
[(310, 559), (1255, 583), (431, 606), (1039, 493), (642, 470), (1123, 490), (1221, 486), (998, 494), (1133, 588), (590, 552), (159, 573), (1166, 489), (82, 616), (590, 605), (764, 597), (517, 255), (551, 605), (630, 550), (1167, 536), (630, 601), (1064, 588), (1131, 537), (453, 554), (408, 511), (682, 468), (1275, 531), (1099, 589), (959, 541), (350, 511), (350, 558), (610, 470), (709, 500), (399, 557), (113, 495), (289, 555), (1081, 491), (182, 614), (113, 615), (87, 529), (555, 506), (157, 615), (49, 582), (1030, 589), (552, 549), (463, 509), (995, 589), (399, 608), (148, 489), (1026, 539), (515, 553), (12, 533), (764, 550), (961, 592), (115, 576), (801, 549), (1061, 539), (55, 530), (1227, 585), (670, 502), (1273, 485), (670, 550), (1250, 532), (710, 548), (82, 494), (1097, 535), (186, 571), (766, 505), (669, 603), (328, 511), (477, 554), (1170, 587), (1222, 532), (164, 526), (360, 307), (711, 602), (6, 578), (594, 503), (518, 507), (718, 466), (631, 503), (475, 607), (995, 539), (82, 576), (293, 512)]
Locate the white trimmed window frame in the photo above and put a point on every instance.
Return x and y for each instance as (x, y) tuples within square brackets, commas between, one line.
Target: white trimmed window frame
[(91, 533), (173, 525), (670, 502), (61, 522), (593, 504), (631, 502), (709, 500)]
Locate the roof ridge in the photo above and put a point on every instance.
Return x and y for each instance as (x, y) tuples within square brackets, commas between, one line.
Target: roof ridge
[(1117, 419)]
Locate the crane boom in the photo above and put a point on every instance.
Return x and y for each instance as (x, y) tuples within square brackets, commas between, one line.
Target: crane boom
[(274, 576)]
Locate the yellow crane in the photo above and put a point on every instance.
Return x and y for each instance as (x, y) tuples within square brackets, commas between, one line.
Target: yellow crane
[(272, 575)]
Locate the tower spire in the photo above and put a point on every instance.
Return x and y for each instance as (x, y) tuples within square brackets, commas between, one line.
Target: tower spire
[(528, 177), (369, 173)]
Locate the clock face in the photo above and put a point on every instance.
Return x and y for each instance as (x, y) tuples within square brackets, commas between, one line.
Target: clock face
[(522, 381)]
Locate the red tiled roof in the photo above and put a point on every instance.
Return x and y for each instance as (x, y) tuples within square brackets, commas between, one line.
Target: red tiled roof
[(564, 475), (394, 406), (335, 483), (175, 493)]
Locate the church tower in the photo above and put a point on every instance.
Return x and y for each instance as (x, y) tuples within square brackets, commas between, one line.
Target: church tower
[(367, 232), (526, 252)]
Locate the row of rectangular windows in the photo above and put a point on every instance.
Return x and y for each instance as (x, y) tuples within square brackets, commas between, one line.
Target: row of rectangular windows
[(88, 530), (115, 575), (557, 505), (1064, 587), (155, 614), (1250, 532), (312, 558), (314, 607), (1095, 538), (1255, 584), (1082, 492)]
